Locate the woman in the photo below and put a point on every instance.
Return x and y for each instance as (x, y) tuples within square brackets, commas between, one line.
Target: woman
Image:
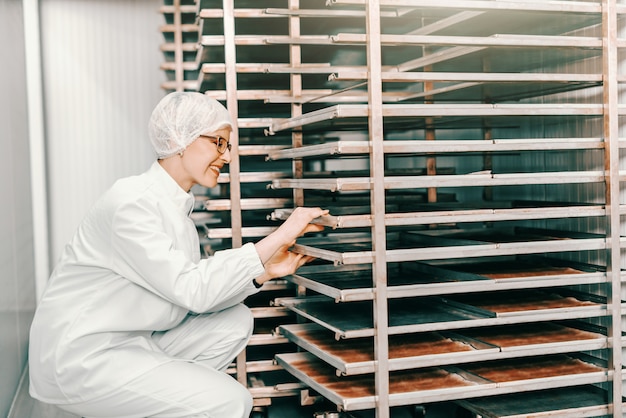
[(133, 323)]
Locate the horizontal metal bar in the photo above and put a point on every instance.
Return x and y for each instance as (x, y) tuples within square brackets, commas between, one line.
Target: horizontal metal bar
[(247, 203), (252, 177), (455, 251), (502, 40), (324, 13), (218, 13), (272, 68), (435, 110), (440, 146), (218, 40), (460, 180), (405, 76), (527, 5)]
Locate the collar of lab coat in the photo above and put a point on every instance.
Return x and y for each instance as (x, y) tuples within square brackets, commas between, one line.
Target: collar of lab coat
[(182, 199)]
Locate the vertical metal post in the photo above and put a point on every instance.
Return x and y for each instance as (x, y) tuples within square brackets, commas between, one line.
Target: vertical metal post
[(234, 170), (611, 162), (295, 60), (179, 74), (429, 134), (377, 198)]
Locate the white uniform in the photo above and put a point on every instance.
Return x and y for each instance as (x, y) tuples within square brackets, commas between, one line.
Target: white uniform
[(132, 268)]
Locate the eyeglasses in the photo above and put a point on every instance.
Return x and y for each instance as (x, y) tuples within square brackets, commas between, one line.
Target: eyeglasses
[(221, 143)]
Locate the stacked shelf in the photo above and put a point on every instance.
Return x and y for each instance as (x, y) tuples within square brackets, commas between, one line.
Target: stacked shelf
[(506, 122), (180, 35), (468, 152)]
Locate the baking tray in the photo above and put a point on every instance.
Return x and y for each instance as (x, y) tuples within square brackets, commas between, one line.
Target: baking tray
[(355, 356), (527, 302), (357, 392), (346, 283), (541, 338), (442, 383), (355, 319), (361, 217), (453, 243), (577, 401), (534, 372)]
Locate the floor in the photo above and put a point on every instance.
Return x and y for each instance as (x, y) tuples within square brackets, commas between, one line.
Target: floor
[(282, 408), (27, 407)]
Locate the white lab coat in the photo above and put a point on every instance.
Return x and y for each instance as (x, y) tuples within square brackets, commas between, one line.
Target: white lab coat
[(133, 267)]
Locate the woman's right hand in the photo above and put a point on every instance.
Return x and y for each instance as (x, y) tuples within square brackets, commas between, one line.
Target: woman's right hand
[(299, 223), (296, 225)]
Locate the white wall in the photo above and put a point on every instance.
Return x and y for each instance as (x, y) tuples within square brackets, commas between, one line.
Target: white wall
[(17, 276), (101, 79)]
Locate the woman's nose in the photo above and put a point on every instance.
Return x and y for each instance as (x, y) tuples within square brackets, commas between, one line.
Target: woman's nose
[(226, 157)]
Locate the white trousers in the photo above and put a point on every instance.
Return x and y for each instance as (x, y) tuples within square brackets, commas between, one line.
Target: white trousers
[(195, 385)]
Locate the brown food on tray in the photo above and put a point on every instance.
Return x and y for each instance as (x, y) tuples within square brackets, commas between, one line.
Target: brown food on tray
[(363, 385), (526, 301), (523, 369), (531, 272), (513, 336), (400, 346)]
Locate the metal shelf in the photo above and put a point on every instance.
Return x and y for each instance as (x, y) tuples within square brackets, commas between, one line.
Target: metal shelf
[(356, 356), (350, 116), (350, 283), (582, 401), (428, 217), (340, 148), (487, 101), (449, 244), (446, 383), (427, 314)]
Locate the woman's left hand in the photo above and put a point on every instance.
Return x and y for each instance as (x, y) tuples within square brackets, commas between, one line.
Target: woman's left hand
[(282, 263), (296, 225)]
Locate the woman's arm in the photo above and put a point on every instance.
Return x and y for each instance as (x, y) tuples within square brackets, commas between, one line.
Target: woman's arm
[(274, 251)]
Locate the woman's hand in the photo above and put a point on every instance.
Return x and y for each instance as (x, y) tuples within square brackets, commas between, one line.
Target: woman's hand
[(275, 246), (299, 223), (282, 263)]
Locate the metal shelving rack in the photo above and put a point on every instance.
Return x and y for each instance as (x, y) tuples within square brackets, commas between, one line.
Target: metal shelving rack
[(201, 55), (469, 154)]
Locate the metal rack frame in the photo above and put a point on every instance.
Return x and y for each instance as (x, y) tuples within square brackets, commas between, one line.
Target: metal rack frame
[(381, 98)]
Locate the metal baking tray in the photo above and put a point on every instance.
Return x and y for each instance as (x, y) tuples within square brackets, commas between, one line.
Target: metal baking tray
[(443, 180), (549, 303), (355, 319), (346, 283), (345, 147), (356, 356), (435, 384), (450, 244), (541, 338), (534, 372), (433, 215), (344, 116), (357, 392), (576, 401)]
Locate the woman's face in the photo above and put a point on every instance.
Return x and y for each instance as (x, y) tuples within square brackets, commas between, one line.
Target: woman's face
[(202, 160)]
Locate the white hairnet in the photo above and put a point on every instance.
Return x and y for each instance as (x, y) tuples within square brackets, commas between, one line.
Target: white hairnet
[(180, 117)]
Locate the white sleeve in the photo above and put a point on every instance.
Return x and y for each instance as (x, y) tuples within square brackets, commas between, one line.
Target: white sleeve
[(143, 253)]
